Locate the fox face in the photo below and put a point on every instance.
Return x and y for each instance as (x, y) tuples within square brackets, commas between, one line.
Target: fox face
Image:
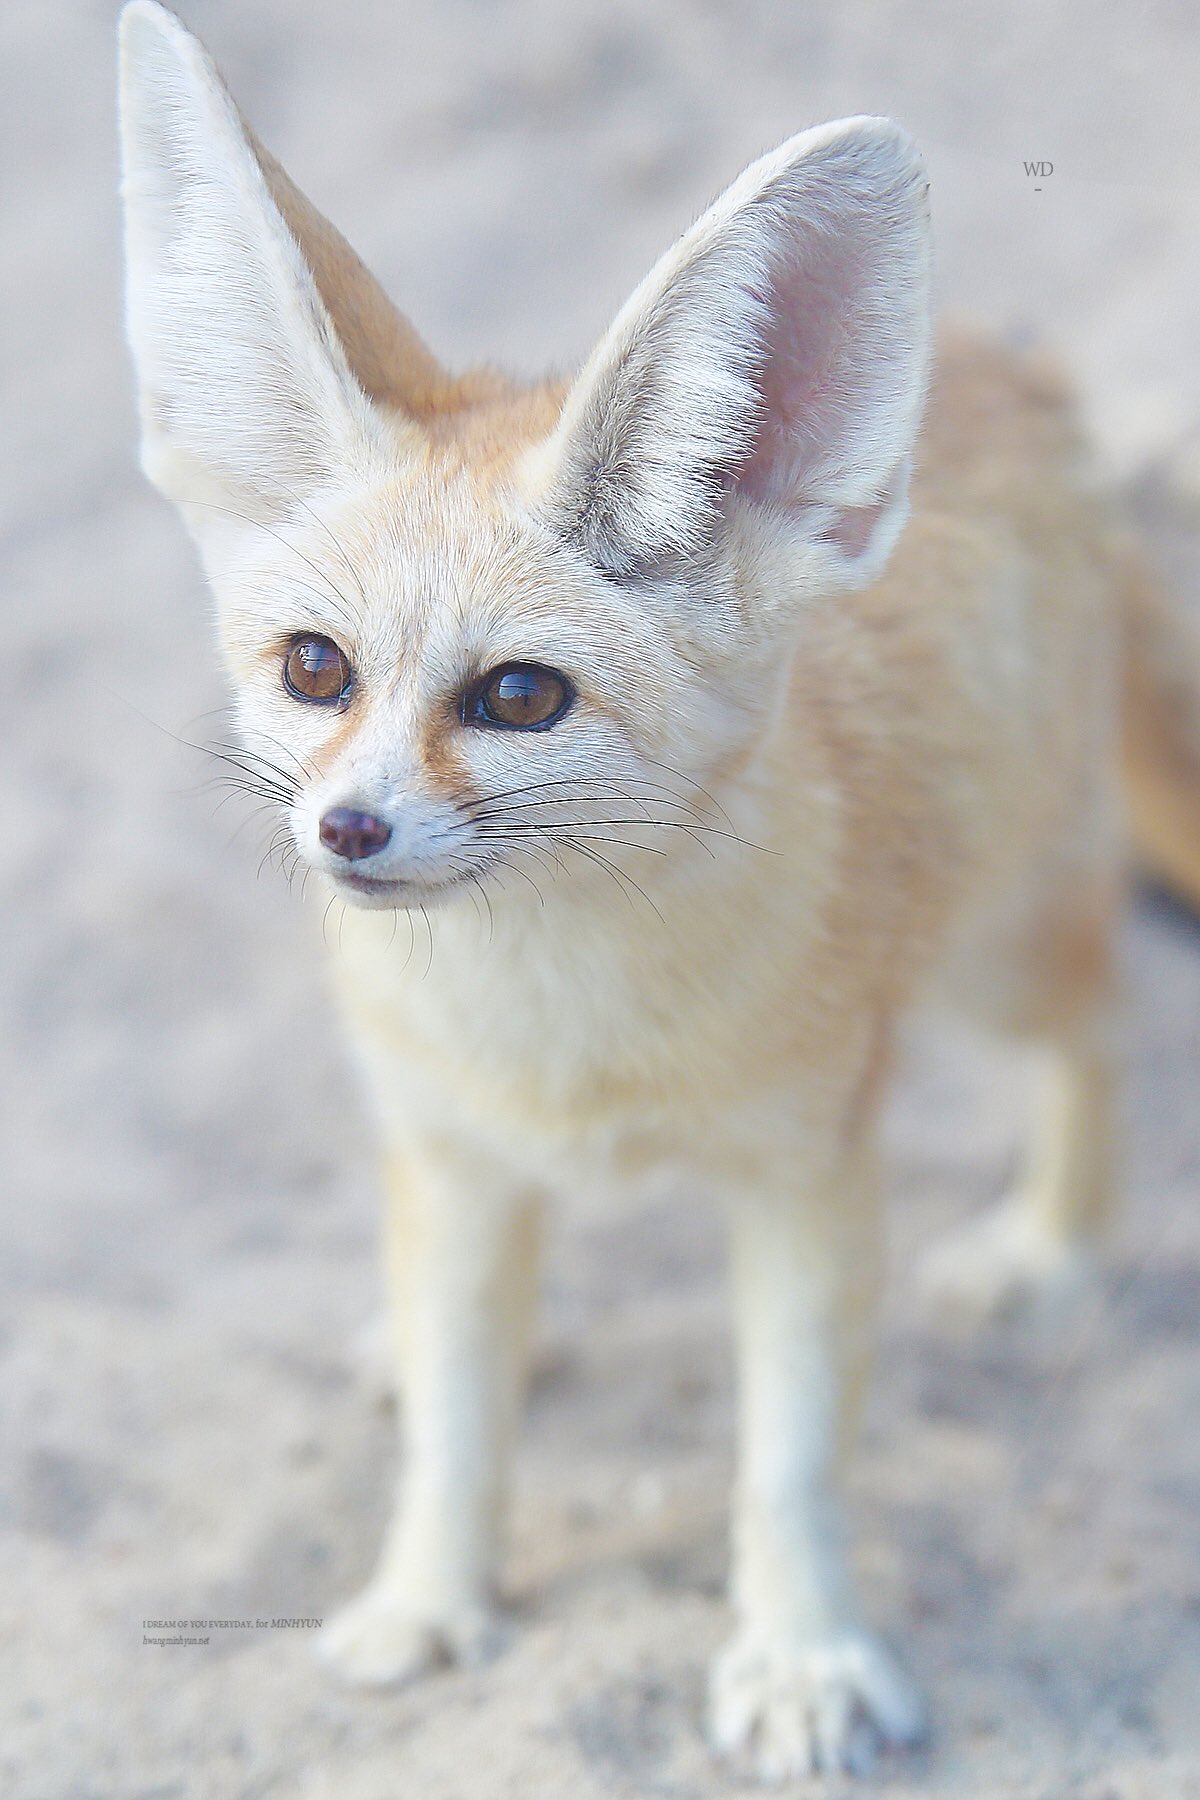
[(443, 693), (471, 626)]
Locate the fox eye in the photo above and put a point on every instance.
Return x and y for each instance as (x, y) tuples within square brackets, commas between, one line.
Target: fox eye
[(315, 670), (519, 697)]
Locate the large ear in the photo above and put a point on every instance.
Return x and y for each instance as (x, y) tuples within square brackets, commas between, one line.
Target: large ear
[(778, 352), (260, 339)]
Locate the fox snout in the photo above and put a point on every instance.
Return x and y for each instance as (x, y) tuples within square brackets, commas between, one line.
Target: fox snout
[(353, 835), (382, 843)]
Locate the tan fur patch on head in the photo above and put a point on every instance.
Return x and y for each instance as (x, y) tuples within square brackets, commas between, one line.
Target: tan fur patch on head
[(441, 759), (338, 741), (487, 422)]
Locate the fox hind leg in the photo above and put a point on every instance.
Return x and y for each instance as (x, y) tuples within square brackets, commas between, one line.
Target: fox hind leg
[(1038, 1249)]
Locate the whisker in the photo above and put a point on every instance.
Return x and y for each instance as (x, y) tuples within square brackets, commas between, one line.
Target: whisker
[(476, 883), (307, 770), (697, 786), (591, 837), (251, 818), (268, 855), (487, 811), (268, 803), (478, 914), (244, 754), (523, 873), (230, 755), (224, 711), (611, 788), (412, 935), (238, 784), (552, 868), (289, 862), (697, 832), (284, 790), (620, 876)]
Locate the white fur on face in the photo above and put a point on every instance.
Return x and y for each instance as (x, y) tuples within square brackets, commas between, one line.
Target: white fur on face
[(425, 594)]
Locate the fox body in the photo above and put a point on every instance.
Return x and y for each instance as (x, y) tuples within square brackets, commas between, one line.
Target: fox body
[(660, 771)]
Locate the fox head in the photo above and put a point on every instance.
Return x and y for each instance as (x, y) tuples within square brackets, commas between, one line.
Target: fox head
[(473, 626)]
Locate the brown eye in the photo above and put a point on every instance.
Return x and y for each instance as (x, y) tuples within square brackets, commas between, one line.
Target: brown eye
[(314, 669), (519, 697)]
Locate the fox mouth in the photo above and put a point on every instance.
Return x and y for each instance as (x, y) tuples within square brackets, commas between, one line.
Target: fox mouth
[(375, 885), (379, 891)]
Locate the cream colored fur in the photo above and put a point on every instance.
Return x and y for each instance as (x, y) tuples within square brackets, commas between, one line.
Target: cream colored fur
[(797, 789)]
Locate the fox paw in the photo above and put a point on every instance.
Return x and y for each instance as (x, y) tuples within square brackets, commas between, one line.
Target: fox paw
[(376, 1641), (1003, 1266), (807, 1710)]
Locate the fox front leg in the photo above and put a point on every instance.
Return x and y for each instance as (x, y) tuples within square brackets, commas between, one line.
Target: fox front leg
[(804, 1686), (461, 1264)]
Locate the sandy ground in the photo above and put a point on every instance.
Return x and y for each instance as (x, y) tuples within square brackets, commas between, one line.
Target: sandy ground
[(189, 1204)]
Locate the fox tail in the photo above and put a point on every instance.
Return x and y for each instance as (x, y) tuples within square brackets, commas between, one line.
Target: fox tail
[(1161, 730)]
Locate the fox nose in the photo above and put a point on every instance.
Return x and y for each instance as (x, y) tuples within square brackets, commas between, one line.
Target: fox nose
[(353, 834)]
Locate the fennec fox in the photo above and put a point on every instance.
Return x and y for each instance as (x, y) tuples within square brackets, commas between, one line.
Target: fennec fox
[(708, 763)]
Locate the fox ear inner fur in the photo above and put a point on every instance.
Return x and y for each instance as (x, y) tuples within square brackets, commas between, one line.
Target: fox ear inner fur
[(261, 341), (779, 351)]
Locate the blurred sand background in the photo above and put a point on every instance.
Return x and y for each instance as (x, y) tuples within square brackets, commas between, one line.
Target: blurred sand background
[(189, 1208)]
